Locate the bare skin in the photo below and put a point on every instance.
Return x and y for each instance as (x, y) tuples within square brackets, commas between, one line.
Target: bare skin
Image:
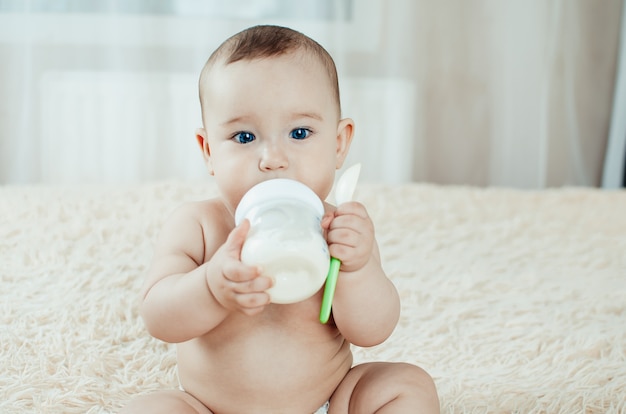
[(237, 352), (274, 352)]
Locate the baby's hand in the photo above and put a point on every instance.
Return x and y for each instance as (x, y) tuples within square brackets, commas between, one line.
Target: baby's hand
[(350, 235), (235, 285)]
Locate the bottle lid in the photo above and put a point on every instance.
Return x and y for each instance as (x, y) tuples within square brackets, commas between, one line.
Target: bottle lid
[(275, 189)]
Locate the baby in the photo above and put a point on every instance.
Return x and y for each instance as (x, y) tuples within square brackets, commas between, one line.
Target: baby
[(270, 109)]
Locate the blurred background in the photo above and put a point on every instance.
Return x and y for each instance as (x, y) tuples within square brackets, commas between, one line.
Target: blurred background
[(516, 93)]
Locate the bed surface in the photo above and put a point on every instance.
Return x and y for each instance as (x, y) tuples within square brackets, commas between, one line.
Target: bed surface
[(514, 301)]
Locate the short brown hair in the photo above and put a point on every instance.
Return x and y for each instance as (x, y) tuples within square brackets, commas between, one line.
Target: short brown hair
[(265, 41)]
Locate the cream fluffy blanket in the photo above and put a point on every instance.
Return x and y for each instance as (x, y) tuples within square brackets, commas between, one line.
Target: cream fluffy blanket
[(513, 301)]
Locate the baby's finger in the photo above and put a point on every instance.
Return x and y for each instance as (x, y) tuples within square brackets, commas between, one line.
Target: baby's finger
[(352, 207), (238, 272), (342, 225), (252, 311), (345, 236), (341, 252), (327, 219), (252, 301), (257, 285), (236, 238)]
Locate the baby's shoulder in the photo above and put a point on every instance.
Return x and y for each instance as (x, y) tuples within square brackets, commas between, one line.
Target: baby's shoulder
[(201, 207), (197, 228), (211, 216)]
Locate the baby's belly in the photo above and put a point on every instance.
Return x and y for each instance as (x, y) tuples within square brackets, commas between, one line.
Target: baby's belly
[(270, 363)]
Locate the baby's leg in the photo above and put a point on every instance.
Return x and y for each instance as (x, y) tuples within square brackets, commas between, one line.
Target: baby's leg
[(382, 387), (166, 402)]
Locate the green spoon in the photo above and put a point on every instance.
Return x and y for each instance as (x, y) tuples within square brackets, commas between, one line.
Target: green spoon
[(343, 193)]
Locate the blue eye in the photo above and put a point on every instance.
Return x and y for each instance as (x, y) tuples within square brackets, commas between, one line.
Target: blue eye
[(300, 133), (244, 137)]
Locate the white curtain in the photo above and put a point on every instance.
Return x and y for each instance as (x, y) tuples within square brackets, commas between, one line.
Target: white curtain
[(614, 172), (512, 93)]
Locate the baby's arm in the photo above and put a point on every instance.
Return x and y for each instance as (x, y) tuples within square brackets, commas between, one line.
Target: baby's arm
[(366, 306), (185, 295)]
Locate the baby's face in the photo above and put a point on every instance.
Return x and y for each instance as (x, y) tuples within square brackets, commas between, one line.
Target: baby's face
[(273, 118)]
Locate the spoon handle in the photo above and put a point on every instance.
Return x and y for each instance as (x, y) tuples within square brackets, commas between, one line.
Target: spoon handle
[(343, 193), (329, 289)]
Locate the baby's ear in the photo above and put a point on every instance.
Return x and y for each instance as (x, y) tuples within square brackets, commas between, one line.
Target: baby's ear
[(203, 143), (345, 132)]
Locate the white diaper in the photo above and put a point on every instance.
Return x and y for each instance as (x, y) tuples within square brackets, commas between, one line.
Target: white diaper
[(323, 409)]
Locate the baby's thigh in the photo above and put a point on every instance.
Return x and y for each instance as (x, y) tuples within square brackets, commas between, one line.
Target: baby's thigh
[(385, 387), (166, 402)]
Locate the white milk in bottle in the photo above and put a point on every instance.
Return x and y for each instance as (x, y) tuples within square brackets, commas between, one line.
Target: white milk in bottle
[(285, 238)]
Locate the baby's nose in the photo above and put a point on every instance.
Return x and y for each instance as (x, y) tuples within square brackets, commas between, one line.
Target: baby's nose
[(273, 158)]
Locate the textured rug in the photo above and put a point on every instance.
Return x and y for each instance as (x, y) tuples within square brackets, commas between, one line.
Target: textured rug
[(514, 301)]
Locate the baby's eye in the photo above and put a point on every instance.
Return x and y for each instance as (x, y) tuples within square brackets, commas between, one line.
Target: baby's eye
[(244, 137), (300, 133)]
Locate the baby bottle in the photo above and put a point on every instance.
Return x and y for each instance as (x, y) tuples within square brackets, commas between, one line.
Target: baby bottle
[(285, 238)]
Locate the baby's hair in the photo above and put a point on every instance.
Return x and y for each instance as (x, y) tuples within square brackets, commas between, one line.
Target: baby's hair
[(267, 41)]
